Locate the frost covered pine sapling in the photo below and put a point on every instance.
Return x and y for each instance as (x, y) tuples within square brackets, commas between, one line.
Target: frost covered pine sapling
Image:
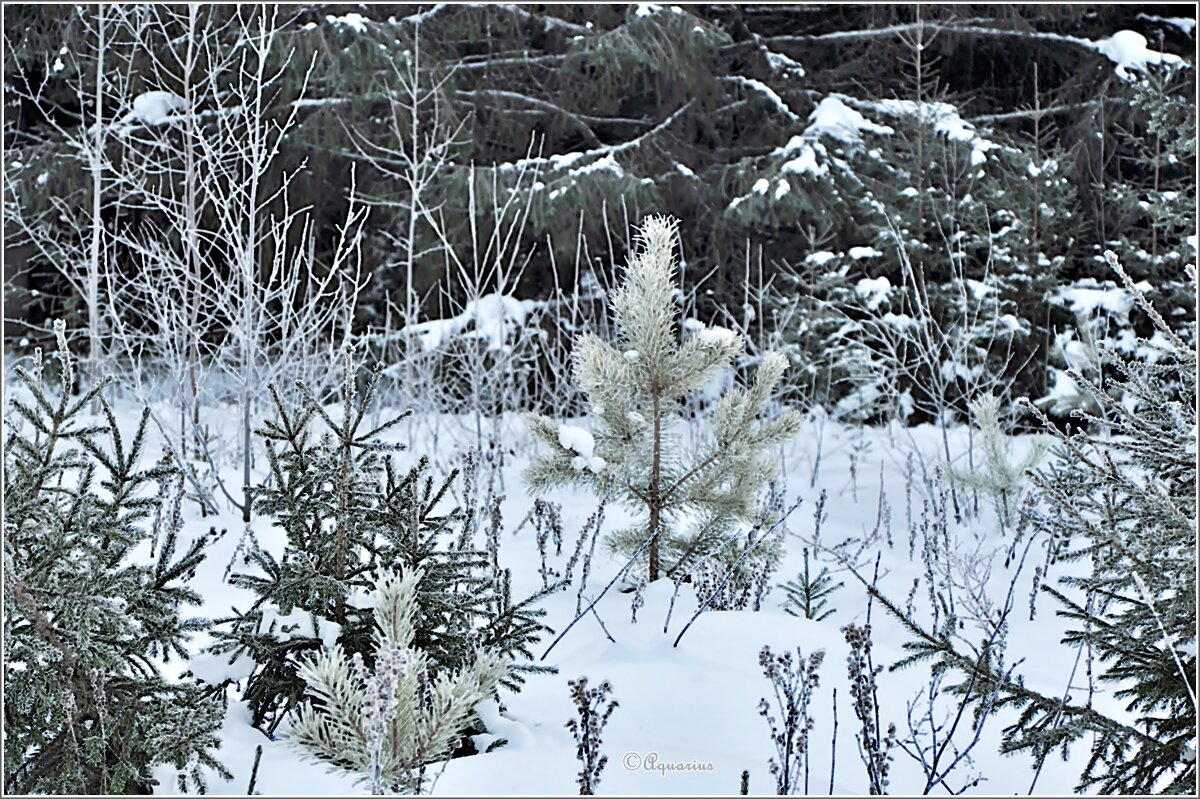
[(691, 500), (1003, 475), (387, 722)]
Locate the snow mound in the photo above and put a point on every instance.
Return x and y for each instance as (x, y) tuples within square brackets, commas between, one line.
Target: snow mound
[(1088, 295), (492, 317), (782, 65), (946, 121), (353, 21), (873, 290), (858, 253), (216, 669), (820, 258), (834, 118), (716, 336), (300, 624)]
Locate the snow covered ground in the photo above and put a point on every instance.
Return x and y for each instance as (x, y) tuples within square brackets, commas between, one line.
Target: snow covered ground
[(688, 720)]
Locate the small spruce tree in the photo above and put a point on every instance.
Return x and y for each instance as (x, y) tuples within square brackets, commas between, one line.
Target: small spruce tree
[(1118, 501), (88, 627), (348, 511), (691, 500), (1121, 495)]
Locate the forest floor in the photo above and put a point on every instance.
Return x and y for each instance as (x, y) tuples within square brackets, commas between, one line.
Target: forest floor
[(694, 706)]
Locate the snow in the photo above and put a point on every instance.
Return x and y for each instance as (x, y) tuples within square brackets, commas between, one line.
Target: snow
[(695, 705), (581, 442), (354, 21), (978, 289), (820, 258), (781, 189), (946, 121), (859, 253), (646, 9), (685, 171), (716, 336), (605, 164), (765, 90), (155, 107), (1129, 50), (492, 317), (873, 290), (216, 669), (834, 118), (299, 624), (1088, 295), (760, 186), (806, 162), (781, 64), (1064, 396), (1185, 24)]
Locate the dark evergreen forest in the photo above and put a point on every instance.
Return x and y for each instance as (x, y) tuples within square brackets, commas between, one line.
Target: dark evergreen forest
[(551, 129)]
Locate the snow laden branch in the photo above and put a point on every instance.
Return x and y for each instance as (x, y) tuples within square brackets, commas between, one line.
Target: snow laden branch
[(1126, 49)]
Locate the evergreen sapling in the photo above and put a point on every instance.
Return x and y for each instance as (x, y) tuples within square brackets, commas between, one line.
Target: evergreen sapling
[(387, 723), (691, 501), (88, 626), (347, 511)]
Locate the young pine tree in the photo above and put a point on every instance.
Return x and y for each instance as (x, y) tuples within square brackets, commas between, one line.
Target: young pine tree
[(1002, 475), (88, 626), (691, 500), (385, 724)]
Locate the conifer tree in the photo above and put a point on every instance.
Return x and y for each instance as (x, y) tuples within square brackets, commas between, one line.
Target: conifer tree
[(386, 723), (1003, 475), (691, 500), (88, 628), (1119, 504), (1122, 495), (348, 511)]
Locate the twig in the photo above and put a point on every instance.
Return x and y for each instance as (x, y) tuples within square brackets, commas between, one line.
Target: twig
[(729, 573)]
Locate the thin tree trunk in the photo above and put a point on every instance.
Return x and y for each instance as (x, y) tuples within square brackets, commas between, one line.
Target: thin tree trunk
[(95, 162), (191, 297), (654, 492)]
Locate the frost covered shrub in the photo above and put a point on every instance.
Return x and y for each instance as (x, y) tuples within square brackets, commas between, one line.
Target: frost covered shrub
[(347, 510), (593, 715), (386, 723), (87, 626), (692, 500)]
